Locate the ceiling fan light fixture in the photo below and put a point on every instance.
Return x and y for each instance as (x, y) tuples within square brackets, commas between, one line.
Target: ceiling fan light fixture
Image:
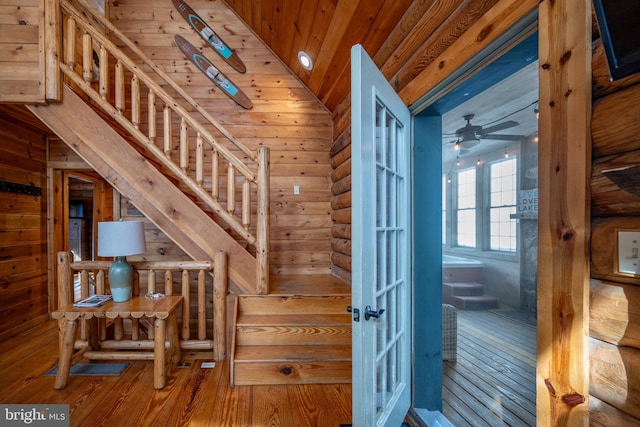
[(305, 60)]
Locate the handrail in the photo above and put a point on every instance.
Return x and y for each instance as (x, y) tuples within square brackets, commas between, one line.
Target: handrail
[(84, 79), (147, 61)]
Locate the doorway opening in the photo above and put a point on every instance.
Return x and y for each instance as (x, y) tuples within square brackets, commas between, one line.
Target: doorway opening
[(489, 239)]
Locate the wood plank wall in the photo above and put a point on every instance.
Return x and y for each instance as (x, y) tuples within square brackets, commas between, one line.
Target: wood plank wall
[(285, 117), (615, 297), (23, 225), (22, 51)]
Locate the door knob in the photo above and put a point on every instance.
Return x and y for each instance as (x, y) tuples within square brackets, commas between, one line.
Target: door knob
[(368, 312)]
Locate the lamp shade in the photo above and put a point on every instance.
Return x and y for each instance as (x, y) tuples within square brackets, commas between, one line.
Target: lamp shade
[(121, 238)]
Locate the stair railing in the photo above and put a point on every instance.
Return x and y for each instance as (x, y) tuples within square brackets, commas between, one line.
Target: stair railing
[(116, 84)]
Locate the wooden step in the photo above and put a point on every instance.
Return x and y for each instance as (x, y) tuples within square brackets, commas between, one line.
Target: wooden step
[(292, 339), (292, 304), (262, 365), (463, 288), (292, 334), (479, 302)]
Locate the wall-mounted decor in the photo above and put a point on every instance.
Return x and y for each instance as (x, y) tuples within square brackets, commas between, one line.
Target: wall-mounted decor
[(12, 187)]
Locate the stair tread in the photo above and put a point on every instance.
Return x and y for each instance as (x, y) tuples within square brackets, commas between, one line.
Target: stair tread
[(293, 320), (292, 304), (266, 353), (464, 284), (476, 297)]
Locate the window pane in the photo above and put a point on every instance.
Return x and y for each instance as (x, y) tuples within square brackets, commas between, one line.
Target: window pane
[(466, 208), (503, 194)]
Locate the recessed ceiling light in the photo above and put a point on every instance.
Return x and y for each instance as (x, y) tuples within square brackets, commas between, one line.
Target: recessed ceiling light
[(305, 60)]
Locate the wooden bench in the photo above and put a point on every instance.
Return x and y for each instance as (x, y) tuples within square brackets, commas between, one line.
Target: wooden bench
[(164, 348)]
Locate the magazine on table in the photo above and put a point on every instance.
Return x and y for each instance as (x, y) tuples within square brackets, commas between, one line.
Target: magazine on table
[(93, 301)]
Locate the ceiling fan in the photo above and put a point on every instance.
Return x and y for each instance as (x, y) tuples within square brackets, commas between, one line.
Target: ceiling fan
[(470, 135)]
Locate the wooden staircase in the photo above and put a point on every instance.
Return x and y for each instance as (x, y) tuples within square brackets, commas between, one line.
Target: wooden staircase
[(293, 338), (468, 296)]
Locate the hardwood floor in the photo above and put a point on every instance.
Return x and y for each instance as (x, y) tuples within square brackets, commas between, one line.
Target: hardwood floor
[(492, 383), (193, 396)]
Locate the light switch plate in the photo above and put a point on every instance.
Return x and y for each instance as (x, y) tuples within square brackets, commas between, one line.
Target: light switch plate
[(628, 248)]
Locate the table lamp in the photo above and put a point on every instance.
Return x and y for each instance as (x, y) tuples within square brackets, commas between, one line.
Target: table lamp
[(119, 239)]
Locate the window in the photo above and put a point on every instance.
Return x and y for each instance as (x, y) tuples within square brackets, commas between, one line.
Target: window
[(444, 209), (502, 204), (466, 208)]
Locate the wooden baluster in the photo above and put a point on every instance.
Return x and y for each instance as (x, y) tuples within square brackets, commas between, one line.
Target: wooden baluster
[(70, 44), (202, 309), (87, 58), (84, 293), (184, 145), (246, 203), (151, 282), (84, 284), (168, 282), (215, 175), (231, 189), (104, 75), (186, 332), (120, 90), (100, 290), (100, 287), (151, 101), (135, 323), (135, 101), (167, 131), (199, 160)]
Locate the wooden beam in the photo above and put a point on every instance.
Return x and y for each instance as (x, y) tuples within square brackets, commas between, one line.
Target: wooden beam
[(493, 24), (564, 213)]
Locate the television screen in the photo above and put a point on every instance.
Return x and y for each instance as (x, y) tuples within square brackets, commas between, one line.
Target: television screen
[(618, 23)]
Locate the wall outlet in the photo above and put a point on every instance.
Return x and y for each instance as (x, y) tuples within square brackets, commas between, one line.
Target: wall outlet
[(296, 189), (628, 248)]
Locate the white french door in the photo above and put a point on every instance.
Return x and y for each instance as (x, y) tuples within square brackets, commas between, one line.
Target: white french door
[(381, 239)]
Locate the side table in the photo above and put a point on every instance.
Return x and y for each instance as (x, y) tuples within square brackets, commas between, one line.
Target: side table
[(160, 310)]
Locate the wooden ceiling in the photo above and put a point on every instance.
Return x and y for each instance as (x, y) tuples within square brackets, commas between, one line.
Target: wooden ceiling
[(326, 30)]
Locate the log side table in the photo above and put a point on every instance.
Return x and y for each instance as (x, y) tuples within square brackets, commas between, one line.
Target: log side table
[(161, 311)]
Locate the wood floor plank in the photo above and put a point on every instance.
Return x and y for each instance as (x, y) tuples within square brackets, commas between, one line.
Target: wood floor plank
[(495, 366), (271, 406)]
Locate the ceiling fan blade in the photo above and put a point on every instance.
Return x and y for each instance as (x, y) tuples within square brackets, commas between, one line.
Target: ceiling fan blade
[(499, 126), (504, 137)]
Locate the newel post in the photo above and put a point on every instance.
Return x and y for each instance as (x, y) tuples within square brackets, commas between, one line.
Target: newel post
[(220, 305), (262, 223), (65, 279)]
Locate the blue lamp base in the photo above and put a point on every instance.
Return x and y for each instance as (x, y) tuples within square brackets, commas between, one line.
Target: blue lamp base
[(121, 279)]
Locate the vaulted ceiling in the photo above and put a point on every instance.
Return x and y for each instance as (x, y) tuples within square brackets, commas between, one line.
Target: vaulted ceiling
[(402, 36), (326, 30)]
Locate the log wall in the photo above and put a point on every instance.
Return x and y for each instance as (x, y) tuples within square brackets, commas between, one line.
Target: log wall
[(615, 296), (23, 238)]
